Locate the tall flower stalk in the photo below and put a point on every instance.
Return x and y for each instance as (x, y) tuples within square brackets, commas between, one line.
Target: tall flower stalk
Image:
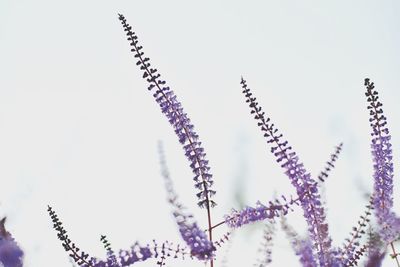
[(383, 166), (195, 238), (305, 186), (184, 129)]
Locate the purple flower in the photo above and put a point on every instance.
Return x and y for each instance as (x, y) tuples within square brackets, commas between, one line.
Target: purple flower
[(195, 238), (261, 212), (375, 259), (179, 120), (352, 245), (139, 253), (135, 254), (266, 246), (330, 163), (376, 250), (306, 187), (11, 254), (383, 166), (302, 247)]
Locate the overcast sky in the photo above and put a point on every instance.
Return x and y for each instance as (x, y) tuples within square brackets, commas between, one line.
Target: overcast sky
[(79, 130)]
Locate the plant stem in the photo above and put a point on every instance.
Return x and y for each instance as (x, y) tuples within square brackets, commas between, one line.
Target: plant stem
[(210, 227), (394, 255)]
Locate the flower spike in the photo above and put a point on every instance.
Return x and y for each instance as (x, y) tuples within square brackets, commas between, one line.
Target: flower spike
[(306, 187), (176, 116), (125, 258), (347, 253), (301, 246), (383, 166), (376, 249), (265, 249), (261, 212), (195, 238), (330, 164)]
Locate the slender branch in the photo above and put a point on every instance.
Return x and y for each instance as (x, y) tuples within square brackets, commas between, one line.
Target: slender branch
[(394, 255)]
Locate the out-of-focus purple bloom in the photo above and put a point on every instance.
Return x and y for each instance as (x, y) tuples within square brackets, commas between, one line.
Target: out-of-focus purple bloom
[(352, 245), (302, 247), (305, 252), (306, 187), (265, 249), (11, 254), (330, 163), (376, 250), (135, 254), (383, 166), (375, 259), (176, 116), (261, 212), (139, 253)]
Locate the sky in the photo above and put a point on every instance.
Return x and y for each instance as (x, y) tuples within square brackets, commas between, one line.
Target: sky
[(79, 130)]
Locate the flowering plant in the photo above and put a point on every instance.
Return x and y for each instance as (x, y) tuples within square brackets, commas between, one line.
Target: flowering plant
[(369, 239)]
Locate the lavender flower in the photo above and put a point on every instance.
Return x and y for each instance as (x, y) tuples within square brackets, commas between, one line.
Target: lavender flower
[(383, 167), (376, 250), (173, 110), (302, 247), (315, 250), (111, 257), (137, 253), (347, 254), (261, 212), (353, 261), (330, 163), (249, 215), (306, 187), (125, 258), (194, 237), (375, 259), (11, 254), (266, 245)]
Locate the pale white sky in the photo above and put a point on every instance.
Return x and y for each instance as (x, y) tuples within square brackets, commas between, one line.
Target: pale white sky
[(79, 130)]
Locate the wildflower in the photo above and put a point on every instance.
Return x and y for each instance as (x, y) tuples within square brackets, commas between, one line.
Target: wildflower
[(306, 187), (383, 167), (180, 121)]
